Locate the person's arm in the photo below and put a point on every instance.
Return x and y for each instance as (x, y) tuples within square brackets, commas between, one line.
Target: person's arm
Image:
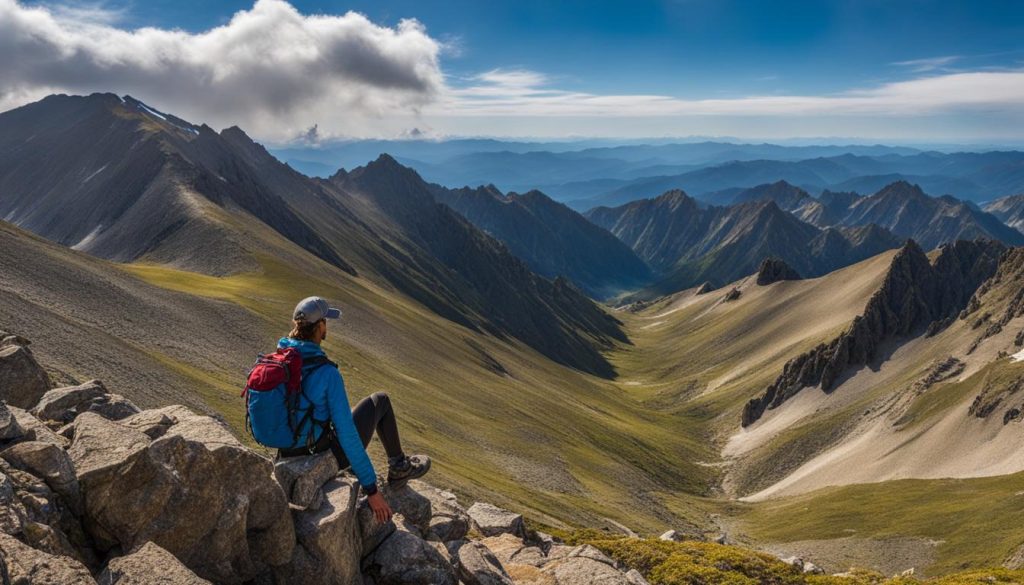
[(348, 436)]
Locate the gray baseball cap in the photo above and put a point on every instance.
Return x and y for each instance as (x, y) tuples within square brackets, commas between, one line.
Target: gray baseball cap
[(312, 309)]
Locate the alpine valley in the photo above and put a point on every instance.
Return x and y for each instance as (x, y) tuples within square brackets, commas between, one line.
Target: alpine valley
[(812, 352)]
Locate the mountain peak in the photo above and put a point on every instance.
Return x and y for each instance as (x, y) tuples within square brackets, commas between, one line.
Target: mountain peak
[(903, 189)]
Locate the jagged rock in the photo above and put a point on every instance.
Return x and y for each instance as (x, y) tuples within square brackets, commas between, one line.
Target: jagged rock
[(510, 549), (64, 404), (491, 520), (30, 510), (114, 407), (303, 477), (34, 428), (703, 289), (477, 565), (633, 577), (9, 427), (672, 535), (154, 423), (449, 520), (50, 463), (101, 447), (28, 566), (149, 565), (732, 295), (774, 270), (195, 491), (372, 532), (795, 562), (22, 380), (914, 293), (329, 544), (406, 559), (591, 552), (812, 569), (412, 505), (582, 570)]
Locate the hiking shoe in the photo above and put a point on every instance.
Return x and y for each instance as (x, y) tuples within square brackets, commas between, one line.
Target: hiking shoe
[(411, 467)]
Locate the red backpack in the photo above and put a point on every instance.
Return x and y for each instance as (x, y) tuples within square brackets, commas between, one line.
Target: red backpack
[(277, 411)]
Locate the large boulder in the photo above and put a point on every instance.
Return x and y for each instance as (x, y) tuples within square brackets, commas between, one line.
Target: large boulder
[(406, 559), (449, 520), (149, 565), (303, 477), (491, 520), (477, 565), (329, 544), (25, 565), (65, 403), (22, 380), (511, 550), (34, 429), (194, 491), (585, 571), (48, 462), (10, 429), (412, 505)]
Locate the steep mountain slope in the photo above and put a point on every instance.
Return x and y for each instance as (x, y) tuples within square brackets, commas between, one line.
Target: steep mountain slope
[(120, 180), (906, 211), (691, 244), (915, 295), (553, 239), (132, 183), (1009, 210), (482, 276), (786, 196)]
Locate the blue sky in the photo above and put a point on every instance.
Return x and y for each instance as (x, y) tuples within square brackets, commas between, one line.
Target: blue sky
[(911, 70)]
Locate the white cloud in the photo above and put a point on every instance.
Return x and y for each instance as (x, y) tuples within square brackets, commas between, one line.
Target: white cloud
[(270, 69), (523, 93), (929, 64), (277, 73)]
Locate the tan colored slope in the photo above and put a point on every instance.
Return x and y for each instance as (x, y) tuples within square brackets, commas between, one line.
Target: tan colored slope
[(896, 429), (703, 351)]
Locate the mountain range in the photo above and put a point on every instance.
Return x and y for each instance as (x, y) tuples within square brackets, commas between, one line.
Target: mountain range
[(856, 402), (192, 198), (689, 243), (553, 239), (586, 174)]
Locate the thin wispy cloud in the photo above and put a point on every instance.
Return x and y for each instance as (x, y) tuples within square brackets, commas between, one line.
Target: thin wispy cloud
[(525, 93), (929, 64)]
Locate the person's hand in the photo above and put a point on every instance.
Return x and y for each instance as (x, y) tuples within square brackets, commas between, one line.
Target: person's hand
[(380, 507)]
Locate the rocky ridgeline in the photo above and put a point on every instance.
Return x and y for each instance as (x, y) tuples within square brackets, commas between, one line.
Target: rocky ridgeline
[(95, 490), (916, 294), (774, 270)]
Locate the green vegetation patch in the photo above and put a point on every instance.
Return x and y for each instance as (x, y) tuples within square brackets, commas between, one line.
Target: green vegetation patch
[(975, 522), (704, 563)]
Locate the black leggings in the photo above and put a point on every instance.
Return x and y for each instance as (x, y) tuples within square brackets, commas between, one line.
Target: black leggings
[(372, 413)]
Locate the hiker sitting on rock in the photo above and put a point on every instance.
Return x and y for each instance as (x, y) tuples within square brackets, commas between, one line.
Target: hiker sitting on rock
[(319, 417)]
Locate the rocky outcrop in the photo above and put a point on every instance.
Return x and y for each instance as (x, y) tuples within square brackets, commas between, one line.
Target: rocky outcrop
[(491, 520), (915, 293), (774, 270), (149, 565), (66, 403), (30, 566), (195, 491), (22, 380)]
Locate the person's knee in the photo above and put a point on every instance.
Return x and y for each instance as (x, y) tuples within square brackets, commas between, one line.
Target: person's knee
[(381, 399)]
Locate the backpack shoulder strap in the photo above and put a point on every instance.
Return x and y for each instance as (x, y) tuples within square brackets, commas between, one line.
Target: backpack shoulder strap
[(315, 362)]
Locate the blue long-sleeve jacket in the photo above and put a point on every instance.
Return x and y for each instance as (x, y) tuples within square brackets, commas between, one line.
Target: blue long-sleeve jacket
[(325, 388)]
